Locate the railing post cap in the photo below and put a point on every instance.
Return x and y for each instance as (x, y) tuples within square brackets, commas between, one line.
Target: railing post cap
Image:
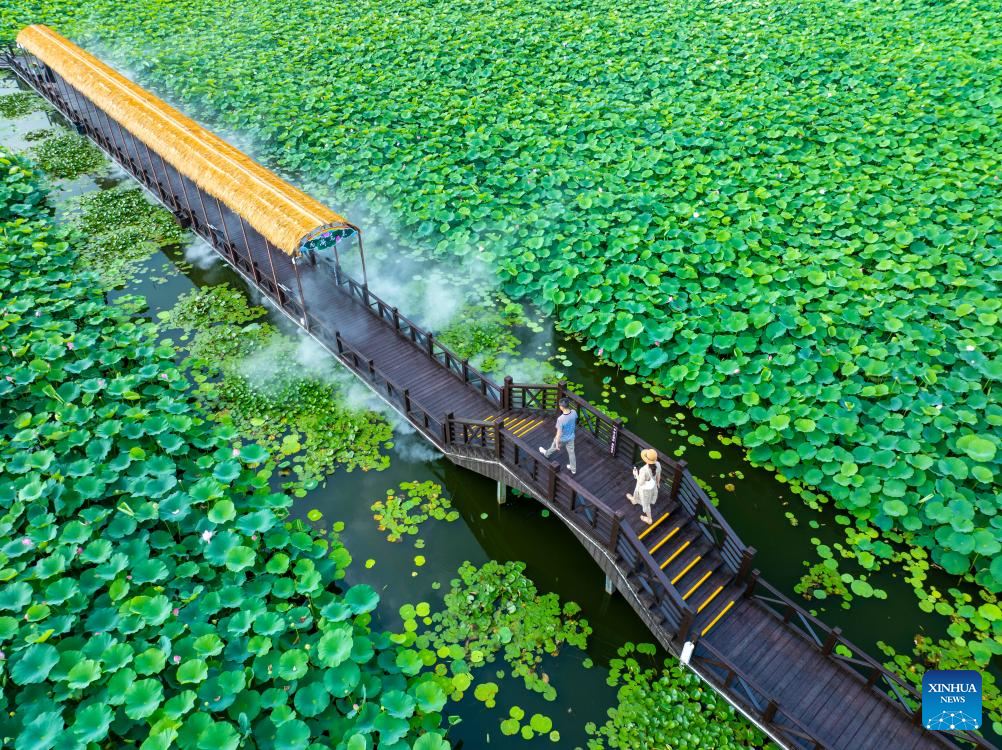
[(683, 464), (508, 379)]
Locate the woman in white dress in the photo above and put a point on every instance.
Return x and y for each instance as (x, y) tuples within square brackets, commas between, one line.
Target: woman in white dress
[(648, 477)]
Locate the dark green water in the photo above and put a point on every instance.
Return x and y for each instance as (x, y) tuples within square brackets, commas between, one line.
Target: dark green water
[(518, 531)]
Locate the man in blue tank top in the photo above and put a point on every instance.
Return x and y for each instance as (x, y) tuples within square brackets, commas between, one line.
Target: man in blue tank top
[(564, 437)]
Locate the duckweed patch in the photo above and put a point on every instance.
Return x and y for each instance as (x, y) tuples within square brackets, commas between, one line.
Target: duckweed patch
[(22, 103), (118, 230), (67, 155)]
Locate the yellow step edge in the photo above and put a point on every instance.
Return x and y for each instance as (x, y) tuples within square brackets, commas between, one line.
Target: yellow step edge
[(526, 429), (511, 427), (658, 546), (699, 583), (674, 554), (688, 567), (715, 619), (490, 417), (653, 526), (709, 599)]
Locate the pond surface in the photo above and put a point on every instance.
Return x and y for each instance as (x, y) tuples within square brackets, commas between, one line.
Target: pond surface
[(518, 530)]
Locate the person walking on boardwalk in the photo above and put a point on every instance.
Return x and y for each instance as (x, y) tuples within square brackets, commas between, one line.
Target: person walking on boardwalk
[(564, 437), (648, 479)]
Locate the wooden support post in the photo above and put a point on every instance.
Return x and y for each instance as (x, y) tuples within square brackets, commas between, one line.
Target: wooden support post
[(770, 712), (676, 482), (833, 636), (372, 368), (684, 626), (617, 425), (747, 557), (502, 492), (617, 521), (506, 393), (610, 585), (396, 319), (752, 581), (431, 345), (407, 401), (551, 489), (302, 295), (498, 445), (447, 427), (338, 343)]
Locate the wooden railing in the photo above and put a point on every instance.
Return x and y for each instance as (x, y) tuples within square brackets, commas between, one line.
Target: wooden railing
[(421, 338), (828, 641), (742, 689), (431, 426)]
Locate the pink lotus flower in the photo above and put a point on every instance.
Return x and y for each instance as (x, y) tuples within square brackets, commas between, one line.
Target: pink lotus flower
[(236, 452), (26, 542), (101, 382), (163, 376), (128, 578), (770, 358), (69, 344), (206, 536), (601, 352), (79, 550), (2, 656), (737, 370), (177, 659), (10, 379), (38, 313), (175, 611)]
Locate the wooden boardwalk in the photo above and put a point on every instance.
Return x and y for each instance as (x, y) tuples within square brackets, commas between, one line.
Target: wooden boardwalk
[(688, 575)]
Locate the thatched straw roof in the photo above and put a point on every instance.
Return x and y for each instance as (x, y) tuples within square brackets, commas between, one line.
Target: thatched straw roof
[(280, 212)]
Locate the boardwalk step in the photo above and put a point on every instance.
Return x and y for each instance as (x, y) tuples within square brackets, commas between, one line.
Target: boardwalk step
[(717, 606), (675, 542), (519, 426)]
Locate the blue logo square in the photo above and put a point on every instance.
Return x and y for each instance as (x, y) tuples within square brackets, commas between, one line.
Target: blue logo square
[(951, 699)]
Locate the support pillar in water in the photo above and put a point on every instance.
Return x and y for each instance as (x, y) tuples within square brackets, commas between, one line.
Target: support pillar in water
[(610, 586), (502, 492)]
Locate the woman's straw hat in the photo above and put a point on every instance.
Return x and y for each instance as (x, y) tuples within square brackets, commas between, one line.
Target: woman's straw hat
[(649, 455)]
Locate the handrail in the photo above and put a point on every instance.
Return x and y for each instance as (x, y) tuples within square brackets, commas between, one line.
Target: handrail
[(686, 615), (420, 337), (413, 410), (860, 657), (772, 706)]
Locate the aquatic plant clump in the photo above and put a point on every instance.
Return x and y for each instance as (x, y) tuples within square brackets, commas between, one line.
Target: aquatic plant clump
[(21, 103), (68, 155), (403, 511), (263, 383), (154, 592), (495, 608), (668, 707), (118, 230)]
